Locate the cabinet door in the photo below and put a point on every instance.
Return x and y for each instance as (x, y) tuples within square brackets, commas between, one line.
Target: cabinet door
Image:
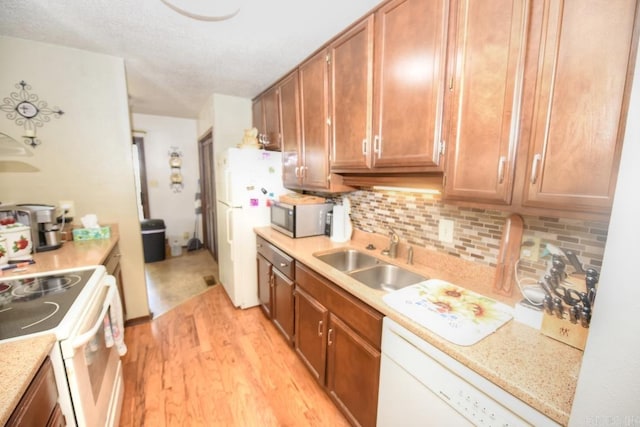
[(352, 97), (577, 131), (271, 120), (264, 284), (353, 373), (290, 127), (410, 48), (314, 115), (487, 66), (311, 327), (257, 117), (282, 307)]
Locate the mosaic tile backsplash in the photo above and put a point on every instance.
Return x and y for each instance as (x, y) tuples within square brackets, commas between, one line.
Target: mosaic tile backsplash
[(477, 232)]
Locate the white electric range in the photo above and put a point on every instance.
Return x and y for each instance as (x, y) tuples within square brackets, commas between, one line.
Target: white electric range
[(81, 307)]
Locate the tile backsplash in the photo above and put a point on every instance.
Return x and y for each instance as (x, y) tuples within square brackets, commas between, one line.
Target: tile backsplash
[(477, 232)]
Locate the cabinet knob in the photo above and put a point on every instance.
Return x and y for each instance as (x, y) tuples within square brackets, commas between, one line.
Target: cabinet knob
[(320, 328), (283, 265), (329, 341)]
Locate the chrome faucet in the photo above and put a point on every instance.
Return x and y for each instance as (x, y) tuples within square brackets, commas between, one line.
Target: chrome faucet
[(392, 250), (410, 255)]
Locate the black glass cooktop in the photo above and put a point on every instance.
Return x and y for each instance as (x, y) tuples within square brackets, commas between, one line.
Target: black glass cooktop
[(35, 304)]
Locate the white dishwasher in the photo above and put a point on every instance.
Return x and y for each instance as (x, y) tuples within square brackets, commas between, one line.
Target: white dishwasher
[(422, 386)]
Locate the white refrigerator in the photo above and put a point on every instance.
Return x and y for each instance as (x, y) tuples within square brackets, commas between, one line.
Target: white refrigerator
[(246, 181)]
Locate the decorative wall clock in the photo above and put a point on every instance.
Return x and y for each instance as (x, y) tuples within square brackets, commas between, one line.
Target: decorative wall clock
[(28, 111)]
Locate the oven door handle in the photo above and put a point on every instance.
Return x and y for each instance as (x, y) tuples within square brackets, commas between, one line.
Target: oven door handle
[(81, 340)]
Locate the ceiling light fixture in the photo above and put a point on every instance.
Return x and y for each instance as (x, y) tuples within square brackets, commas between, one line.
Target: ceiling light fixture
[(212, 10)]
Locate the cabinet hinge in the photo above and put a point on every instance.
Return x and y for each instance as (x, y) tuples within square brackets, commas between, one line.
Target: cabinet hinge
[(327, 58), (443, 145)]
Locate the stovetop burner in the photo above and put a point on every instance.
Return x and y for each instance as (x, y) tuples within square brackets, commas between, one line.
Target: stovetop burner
[(41, 286), (35, 304)]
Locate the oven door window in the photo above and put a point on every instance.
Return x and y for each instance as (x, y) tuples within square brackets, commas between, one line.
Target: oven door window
[(96, 357)]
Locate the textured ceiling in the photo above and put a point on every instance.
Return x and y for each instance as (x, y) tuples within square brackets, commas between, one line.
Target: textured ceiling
[(175, 63)]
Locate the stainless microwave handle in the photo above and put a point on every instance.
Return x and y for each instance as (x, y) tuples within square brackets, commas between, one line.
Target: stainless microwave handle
[(81, 340)]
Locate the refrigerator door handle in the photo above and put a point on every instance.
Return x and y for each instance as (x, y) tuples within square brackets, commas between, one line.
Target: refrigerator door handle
[(229, 239)]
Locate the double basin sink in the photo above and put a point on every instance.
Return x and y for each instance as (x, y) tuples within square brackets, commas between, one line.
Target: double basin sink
[(369, 270)]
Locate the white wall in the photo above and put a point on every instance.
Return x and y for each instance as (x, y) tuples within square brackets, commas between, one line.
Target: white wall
[(608, 392), (176, 209), (85, 155)]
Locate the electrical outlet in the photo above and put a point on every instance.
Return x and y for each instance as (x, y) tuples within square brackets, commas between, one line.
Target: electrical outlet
[(530, 249), (185, 235), (445, 230), (67, 208)]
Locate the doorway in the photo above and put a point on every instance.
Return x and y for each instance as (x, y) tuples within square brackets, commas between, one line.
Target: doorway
[(140, 174), (208, 193)]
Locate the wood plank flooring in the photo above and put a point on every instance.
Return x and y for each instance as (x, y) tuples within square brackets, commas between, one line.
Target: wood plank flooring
[(206, 363)]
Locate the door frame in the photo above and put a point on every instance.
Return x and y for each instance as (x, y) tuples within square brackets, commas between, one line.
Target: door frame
[(206, 162)]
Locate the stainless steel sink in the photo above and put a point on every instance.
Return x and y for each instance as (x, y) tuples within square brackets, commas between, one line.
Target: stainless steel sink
[(369, 270), (348, 259), (387, 277)]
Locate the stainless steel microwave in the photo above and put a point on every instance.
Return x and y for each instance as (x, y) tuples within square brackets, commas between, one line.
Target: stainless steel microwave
[(300, 220)]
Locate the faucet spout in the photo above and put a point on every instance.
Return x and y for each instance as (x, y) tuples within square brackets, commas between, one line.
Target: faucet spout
[(394, 240)]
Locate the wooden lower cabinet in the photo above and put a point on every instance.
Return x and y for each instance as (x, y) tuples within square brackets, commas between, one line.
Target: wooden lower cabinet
[(264, 285), (275, 286), (312, 319), (338, 338), (112, 264), (39, 404), (282, 304), (353, 373)]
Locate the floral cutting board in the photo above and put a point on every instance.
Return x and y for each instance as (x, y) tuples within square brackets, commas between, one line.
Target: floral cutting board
[(456, 314)]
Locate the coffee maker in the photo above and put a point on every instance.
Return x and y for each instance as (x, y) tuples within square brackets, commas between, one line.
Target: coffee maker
[(45, 231)]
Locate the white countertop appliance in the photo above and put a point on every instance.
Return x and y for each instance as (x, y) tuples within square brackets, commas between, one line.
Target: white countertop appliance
[(81, 307), (247, 181)]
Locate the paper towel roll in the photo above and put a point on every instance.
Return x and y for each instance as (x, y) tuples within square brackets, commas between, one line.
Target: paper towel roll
[(337, 224)]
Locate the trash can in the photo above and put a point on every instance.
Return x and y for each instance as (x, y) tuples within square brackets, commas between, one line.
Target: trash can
[(153, 239)]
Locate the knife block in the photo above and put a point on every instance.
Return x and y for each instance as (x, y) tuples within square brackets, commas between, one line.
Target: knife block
[(562, 329)]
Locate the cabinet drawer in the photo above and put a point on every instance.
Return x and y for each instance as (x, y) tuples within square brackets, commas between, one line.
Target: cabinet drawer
[(263, 248), (283, 262), (355, 313), (280, 260)]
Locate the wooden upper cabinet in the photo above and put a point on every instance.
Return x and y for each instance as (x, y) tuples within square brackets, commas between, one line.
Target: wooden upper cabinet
[(266, 118), (271, 120), (410, 49), (314, 115), (289, 106), (583, 51), (486, 52), (351, 65)]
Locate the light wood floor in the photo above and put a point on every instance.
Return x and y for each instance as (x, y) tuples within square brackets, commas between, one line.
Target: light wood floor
[(206, 363)]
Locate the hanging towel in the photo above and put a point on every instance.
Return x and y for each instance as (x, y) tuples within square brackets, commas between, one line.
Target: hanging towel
[(114, 324)]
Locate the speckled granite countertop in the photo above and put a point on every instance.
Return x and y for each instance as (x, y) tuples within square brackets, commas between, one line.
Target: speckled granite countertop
[(19, 362), (536, 369)]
